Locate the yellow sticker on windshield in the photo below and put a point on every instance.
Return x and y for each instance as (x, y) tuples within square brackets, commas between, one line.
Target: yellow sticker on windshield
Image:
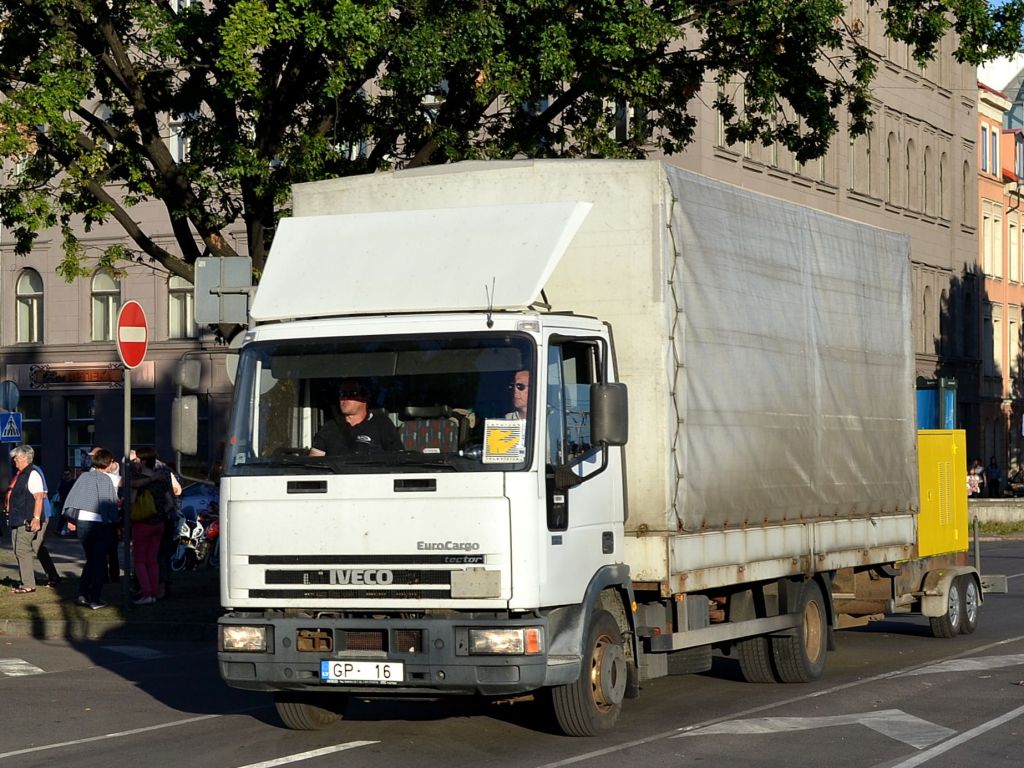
[(504, 441)]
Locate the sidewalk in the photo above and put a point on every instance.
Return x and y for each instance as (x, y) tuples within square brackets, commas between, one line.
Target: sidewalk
[(189, 613)]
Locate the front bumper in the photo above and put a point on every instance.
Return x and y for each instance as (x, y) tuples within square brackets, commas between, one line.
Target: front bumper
[(434, 652)]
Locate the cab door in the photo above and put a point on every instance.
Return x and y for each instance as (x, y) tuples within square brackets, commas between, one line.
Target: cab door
[(583, 481)]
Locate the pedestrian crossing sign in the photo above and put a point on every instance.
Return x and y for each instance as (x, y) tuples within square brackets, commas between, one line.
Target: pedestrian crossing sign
[(10, 427)]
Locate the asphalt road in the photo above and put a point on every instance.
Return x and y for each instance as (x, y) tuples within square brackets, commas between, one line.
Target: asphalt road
[(892, 697)]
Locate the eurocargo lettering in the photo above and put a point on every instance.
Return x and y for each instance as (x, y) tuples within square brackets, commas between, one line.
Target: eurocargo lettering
[(499, 319)]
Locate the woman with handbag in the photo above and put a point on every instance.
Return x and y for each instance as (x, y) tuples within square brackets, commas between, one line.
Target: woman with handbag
[(91, 506), (152, 500), (25, 503)]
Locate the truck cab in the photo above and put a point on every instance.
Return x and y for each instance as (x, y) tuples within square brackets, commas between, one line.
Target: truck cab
[(467, 554)]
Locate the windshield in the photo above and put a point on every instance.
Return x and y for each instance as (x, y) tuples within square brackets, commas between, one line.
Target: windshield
[(453, 403)]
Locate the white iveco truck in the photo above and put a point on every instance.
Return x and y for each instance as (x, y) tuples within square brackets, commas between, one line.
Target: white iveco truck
[(769, 488)]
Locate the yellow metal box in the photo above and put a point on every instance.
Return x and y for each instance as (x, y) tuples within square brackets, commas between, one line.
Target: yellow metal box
[(942, 471)]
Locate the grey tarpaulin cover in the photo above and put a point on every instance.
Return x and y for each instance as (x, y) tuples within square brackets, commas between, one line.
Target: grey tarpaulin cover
[(798, 400)]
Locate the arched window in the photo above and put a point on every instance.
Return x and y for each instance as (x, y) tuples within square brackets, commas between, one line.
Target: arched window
[(944, 180), (29, 298), (181, 322), (969, 218), (890, 169), (928, 203), (924, 335), (912, 198), (106, 301)]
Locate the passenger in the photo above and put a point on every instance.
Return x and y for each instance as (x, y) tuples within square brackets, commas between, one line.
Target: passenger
[(357, 429), (520, 396)]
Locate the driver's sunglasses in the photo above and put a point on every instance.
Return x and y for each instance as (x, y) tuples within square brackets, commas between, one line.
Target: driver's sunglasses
[(352, 394), (519, 385)]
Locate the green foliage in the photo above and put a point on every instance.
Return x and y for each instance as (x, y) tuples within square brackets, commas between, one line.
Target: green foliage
[(267, 93)]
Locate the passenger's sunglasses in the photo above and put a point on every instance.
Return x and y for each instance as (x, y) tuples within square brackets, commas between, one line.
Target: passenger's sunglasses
[(519, 385), (352, 394)]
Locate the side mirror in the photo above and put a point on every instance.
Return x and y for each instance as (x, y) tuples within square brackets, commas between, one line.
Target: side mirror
[(185, 424), (609, 409)]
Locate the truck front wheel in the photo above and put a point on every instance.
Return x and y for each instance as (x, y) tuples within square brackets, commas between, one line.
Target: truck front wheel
[(308, 711), (592, 703), (800, 656)]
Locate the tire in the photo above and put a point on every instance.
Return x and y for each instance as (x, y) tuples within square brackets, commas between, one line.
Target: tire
[(970, 602), (592, 704), (690, 661), (308, 712), (755, 657), (214, 561), (800, 657), (179, 559), (949, 624)]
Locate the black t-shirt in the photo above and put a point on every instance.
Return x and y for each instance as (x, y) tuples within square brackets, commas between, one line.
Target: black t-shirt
[(374, 433)]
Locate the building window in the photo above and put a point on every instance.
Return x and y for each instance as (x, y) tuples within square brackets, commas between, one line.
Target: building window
[(181, 321), (890, 169), (912, 179), (177, 142), (1012, 252), (994, 138), (80, 423), (943, 192), (29, 298), (143, 421), (984, 148), (1013, 330), (106, 301)]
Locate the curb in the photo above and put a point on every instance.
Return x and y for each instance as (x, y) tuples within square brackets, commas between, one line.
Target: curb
[(81, 630)]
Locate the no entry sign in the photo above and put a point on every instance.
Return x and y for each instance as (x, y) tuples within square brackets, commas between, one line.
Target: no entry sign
[(132, 334)]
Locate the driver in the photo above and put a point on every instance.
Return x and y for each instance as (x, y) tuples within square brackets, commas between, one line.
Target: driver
[(357, 429)]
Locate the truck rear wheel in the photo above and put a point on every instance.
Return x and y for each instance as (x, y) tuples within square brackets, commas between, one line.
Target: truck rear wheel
[(755, 657), (592, 703), (970, 603), (800, 657), (308, 711), (949, 623)]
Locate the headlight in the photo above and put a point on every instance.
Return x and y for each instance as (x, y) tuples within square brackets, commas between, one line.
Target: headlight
[(519, 641), (235, 637)]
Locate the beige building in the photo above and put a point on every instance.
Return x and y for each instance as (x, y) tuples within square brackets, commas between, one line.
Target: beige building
[(57, 345)]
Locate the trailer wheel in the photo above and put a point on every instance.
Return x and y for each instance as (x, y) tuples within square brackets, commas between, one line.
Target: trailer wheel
[(308, 712), (755, 659), (970, 602), (949, 624), (592, 703), (800, 656)]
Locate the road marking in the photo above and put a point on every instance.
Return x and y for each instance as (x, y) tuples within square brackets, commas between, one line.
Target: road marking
[(963, 738), (979, 663), (893, 723), (311, 754), (18, 668), (582, 758), (106, 736), (1015, 576), (134, 651)]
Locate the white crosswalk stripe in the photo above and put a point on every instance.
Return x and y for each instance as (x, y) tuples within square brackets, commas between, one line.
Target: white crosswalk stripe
[(18, 668)]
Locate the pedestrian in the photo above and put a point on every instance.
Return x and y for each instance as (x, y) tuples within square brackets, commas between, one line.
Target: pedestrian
[(152, 506), (993, 478), (92, 504), (25, 503), (67, 479)]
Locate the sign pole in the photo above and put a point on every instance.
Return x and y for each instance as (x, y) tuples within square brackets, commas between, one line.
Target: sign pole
[(132, 343), (126, 478)]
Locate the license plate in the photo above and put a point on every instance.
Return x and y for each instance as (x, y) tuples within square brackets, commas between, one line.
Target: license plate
[(333, 671)]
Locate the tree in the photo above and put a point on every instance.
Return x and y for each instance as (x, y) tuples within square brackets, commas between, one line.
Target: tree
[(267, 93)]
